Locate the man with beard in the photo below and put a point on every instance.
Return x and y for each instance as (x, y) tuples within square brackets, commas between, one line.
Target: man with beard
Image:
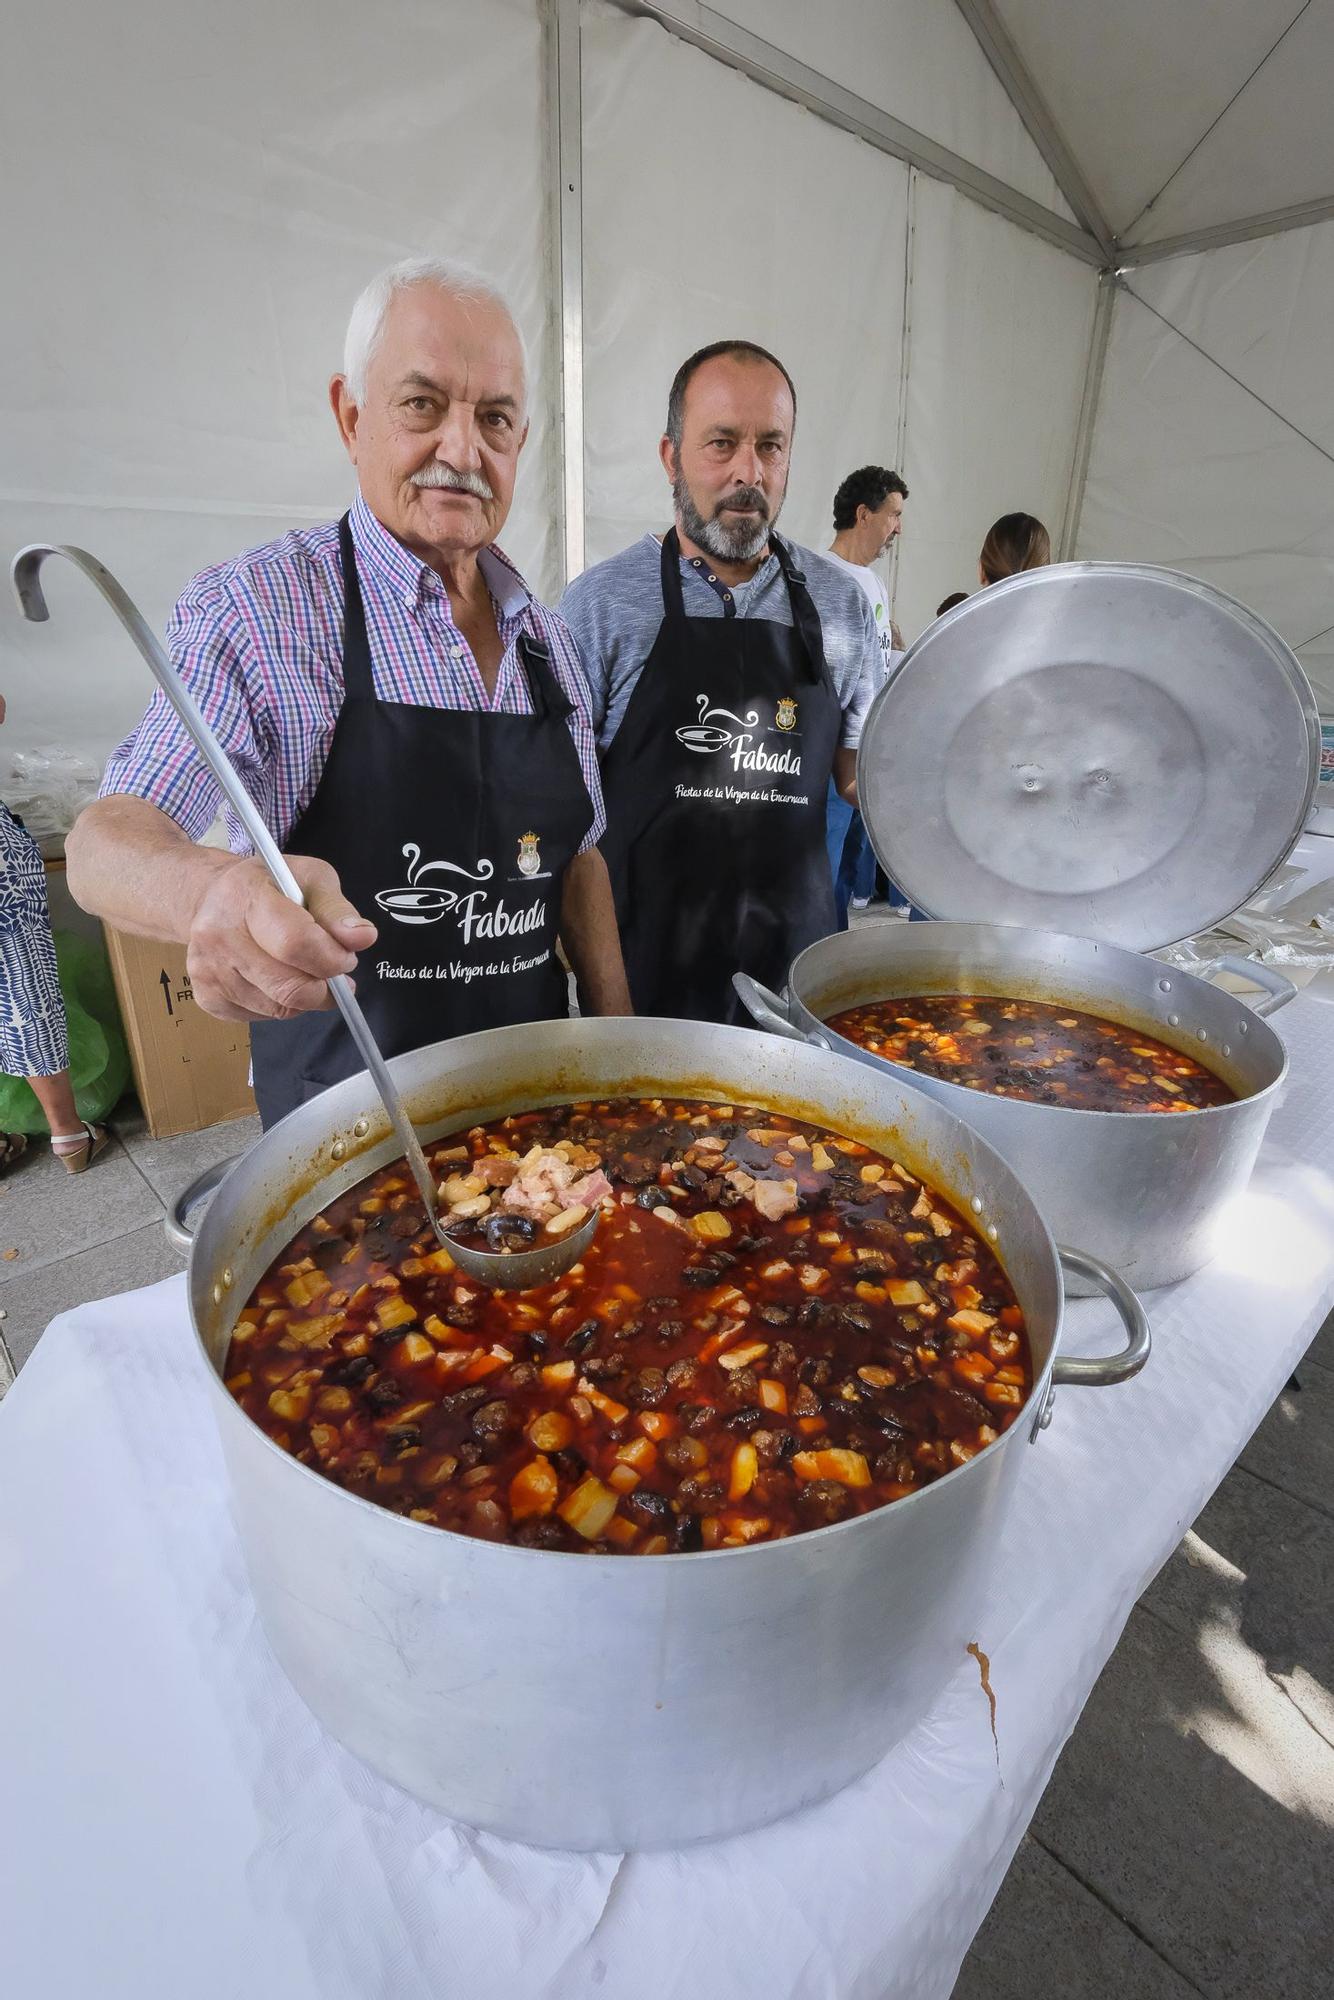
[(730, 671), (409, 720)]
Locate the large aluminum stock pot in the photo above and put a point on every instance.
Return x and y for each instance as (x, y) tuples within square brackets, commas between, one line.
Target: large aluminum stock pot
[(619, 1702), (1144, 1193)]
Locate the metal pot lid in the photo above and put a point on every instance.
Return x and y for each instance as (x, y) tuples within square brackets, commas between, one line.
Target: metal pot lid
[(1103, 749)]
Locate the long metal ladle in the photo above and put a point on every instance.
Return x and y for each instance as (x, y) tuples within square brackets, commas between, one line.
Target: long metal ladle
[(505, 1270)]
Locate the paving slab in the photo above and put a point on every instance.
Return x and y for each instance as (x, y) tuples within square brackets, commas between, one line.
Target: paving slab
[(1196, 1801), (1294, 1447), (32, 1300), (47, 1213), (1047, 1935), (169, 1165)]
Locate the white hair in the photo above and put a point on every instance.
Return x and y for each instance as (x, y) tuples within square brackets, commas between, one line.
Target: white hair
[(366, 324)]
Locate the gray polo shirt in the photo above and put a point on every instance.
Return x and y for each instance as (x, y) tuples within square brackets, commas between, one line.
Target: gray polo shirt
[(614, 611)]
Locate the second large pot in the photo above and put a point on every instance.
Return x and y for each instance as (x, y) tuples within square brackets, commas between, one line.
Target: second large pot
[(1143, 1192), (596, 1701)]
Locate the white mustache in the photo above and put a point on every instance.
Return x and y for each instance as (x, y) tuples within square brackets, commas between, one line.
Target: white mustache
[(444, 476)]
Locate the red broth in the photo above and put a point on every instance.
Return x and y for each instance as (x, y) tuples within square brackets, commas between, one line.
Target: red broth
[(726, 1364), (1030, 1049)]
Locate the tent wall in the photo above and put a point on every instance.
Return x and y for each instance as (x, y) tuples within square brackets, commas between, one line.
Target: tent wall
[(1213, 450), (193, 195), (192, 198)]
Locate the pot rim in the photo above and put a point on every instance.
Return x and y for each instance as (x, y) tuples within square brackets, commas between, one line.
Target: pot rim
[(965, 1092), (1023, 1418)]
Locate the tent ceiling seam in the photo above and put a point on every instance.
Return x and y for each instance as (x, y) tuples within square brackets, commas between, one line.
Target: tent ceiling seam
[(771, 67), (1314, 636), (1039, 121), (1155, 198), (1090, 400), (1223, 370)]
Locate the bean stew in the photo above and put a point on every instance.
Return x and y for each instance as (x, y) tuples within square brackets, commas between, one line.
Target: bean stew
[(1033, 1050), (774, 1328)]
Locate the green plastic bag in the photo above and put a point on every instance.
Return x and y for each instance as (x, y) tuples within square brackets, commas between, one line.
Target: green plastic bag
[(99, 1061)]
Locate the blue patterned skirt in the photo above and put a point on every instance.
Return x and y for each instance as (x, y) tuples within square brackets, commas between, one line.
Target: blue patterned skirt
[(32, 1014)]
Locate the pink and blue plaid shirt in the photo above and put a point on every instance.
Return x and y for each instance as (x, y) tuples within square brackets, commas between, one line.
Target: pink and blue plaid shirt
[(259, 643)]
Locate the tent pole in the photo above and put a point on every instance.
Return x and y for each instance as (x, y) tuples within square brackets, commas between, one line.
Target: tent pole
[(1304, 215), (905, 359), (565, 122), (704, 28), (1088, 413), (997, 45)]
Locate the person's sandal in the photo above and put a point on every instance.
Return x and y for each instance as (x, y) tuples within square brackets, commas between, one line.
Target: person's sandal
[(80, 1153), (13, 1146)]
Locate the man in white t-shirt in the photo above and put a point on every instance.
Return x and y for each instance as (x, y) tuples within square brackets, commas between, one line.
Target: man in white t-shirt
[(868, 516)]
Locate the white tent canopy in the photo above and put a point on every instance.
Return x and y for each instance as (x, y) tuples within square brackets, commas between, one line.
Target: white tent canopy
[(1040, 254)]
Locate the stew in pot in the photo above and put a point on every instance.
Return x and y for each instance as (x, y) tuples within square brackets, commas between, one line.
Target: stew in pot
[(774, 1328), (1031, 1049)]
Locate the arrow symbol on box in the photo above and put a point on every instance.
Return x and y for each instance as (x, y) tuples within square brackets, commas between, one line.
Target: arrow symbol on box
[(165, 984)]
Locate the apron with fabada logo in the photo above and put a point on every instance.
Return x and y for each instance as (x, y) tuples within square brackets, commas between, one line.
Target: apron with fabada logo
[(451, 830), (715, 789)]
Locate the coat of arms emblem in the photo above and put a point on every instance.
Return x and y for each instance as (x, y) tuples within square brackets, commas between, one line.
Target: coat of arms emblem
[(530, 861), (785, 712)]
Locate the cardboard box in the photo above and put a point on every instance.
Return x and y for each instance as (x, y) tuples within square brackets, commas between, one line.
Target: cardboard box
[(189, 1069)]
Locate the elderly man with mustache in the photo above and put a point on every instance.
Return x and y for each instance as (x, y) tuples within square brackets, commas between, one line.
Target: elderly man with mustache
[(731, 671), (411, 722)]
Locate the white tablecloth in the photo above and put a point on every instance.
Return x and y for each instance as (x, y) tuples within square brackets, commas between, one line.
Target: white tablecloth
[(174, 1823)]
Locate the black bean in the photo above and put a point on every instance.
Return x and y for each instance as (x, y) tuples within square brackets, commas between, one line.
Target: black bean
[(583, 1337), (384, 1394), (743, 1385), (700, 1274), (649, 1507), (402, 1439), (670, 1330), (602, 1368), (682, 1373), (539, 1342), (330, 1250), (462, 1402), (692, 1178), (872, 1267), (493, 1419), (464, 1314), (747, 1419), (696, 1416), (353, 1370), (855, 1319), (634, 1173), (748, 1243), (652, 1197), (817, 1369), (540, 1534), (569, 1463), (822, 1500), (699, 1494), (689, 1534), (776, 1315), (647, 1389)]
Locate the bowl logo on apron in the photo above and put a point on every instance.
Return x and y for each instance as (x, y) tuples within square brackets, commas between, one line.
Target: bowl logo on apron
[(710, 734), (420, 902)]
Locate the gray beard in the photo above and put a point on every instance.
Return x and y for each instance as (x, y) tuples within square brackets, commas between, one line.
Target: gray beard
[(740, 544)]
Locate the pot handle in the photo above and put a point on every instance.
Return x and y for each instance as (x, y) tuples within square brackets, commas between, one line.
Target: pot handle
[(1095, 1372), (180, 1231), (768, 1011), (1278, 990)]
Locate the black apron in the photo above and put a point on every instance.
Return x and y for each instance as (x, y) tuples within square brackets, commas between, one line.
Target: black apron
[(451, 830), (715, 789)]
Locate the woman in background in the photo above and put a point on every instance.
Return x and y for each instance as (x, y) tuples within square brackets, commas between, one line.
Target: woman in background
[(1015, 542), (33, 1040)]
